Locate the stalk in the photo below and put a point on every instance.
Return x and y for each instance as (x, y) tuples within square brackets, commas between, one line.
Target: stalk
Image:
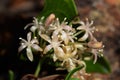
[(68, 77)]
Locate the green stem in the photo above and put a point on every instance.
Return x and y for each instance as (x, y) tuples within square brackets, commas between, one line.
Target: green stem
[(78, 33), (38, 69), (73, 71), (11, 75)]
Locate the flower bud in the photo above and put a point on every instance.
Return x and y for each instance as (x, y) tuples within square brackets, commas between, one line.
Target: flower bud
[(95, 44)]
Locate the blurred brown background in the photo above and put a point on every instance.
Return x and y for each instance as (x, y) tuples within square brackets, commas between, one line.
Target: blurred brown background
[(15, 14)]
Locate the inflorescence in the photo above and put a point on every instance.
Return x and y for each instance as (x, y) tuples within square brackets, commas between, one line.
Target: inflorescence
[(68, 43)]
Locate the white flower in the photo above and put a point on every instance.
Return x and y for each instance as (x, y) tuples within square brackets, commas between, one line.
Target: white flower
[(66, 54), (63, 30), (95, 52), (53, 43), (72, 62), (67, 37), (68, 64), (87, 28), (61, 26), (29, 44), (37, 25), (96, 48)]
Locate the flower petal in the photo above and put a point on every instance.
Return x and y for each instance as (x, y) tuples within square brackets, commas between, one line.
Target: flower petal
[(65, 37), (36, 47), (84, 37), (22, 47), (47, 48), (33, 28), (70, 65), (55, 33), (79, 46), (29, 54), (54, 57), (34, 41), (23, 40), (35, 21), (45, 37), (74, 52), (66, 27), (28, 25), (81, 28), (82, 23), (29, 36), (94, 51), (59, 53)]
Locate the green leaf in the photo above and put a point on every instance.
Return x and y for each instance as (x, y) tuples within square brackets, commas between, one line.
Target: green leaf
[(61, 8), (68, 77), (101, 66), (74, 79)]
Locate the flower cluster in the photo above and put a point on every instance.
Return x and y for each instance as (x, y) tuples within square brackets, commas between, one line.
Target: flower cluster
[(68, 43)]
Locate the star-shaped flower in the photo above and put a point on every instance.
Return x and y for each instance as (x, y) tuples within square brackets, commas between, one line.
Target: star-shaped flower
[(29, 44), (37, 25), (96, 48), (87, 28), (53, 43), (63, 30)]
